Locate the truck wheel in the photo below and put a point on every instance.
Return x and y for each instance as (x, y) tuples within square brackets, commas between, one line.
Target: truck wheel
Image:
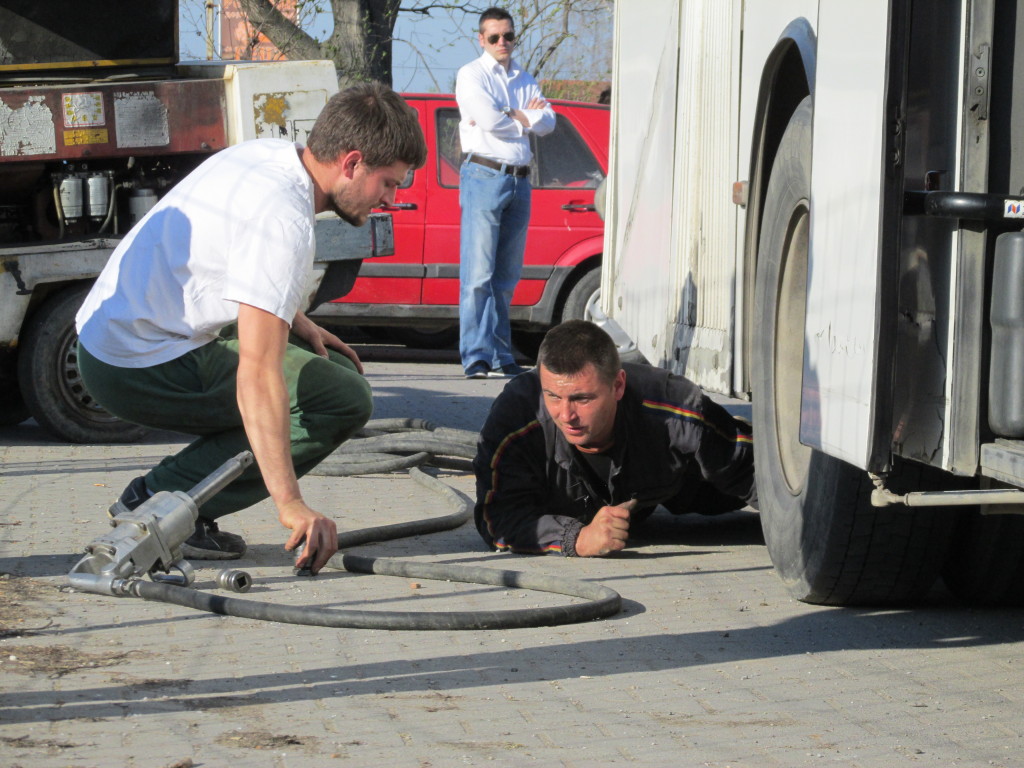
[(50, 381), (826, 541), (986, 565), (14, 410)]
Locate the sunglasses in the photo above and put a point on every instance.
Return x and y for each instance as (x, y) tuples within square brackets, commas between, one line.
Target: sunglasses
[(510, 37)]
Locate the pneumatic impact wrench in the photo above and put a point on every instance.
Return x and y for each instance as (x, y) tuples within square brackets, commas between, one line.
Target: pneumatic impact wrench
[(148, 539)]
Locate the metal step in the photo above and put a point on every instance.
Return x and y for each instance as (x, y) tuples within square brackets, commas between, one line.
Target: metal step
[(1003, 460)]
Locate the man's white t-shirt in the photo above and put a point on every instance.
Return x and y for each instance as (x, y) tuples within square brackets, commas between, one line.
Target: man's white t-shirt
[(237, 230)]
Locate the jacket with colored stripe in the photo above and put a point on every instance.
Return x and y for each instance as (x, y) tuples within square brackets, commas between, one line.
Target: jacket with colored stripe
[(533, 489)]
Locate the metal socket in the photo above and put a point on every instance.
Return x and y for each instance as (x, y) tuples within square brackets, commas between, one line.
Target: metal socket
[(234, 580)]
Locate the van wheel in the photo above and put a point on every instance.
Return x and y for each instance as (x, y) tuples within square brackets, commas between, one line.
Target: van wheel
[(585, 293), (826, 541), (441, 338), (51, 383)]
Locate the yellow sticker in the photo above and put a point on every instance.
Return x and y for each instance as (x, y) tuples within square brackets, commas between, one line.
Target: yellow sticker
[(86, 136)]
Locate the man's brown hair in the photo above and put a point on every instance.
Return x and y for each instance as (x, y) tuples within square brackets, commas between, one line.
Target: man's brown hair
[(569, 347), (495, 14), (372, 119)]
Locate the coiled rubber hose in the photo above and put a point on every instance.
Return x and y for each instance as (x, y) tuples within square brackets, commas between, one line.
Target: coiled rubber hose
[(387, 446)]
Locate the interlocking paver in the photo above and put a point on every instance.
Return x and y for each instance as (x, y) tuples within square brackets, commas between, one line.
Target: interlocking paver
[(711, 663)]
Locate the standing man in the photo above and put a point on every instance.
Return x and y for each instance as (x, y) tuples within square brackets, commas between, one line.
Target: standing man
[(196, 322), (500, 106), (583, 446)]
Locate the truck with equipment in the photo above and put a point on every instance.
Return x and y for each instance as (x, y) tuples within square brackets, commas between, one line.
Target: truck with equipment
[(98, 119)]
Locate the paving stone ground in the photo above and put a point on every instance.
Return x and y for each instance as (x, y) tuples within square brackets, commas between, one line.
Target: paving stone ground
[(710, 662)]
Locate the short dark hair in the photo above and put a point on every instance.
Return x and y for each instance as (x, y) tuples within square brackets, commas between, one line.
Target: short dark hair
[(568, 348), (372, 119), (496, 14)]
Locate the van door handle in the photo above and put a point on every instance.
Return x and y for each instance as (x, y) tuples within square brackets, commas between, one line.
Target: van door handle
[(400, 207), (579, 208)]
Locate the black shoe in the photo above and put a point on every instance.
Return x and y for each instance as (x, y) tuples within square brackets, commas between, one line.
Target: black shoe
[(131, 498), (209, 542), (478, 370), (507, 371)]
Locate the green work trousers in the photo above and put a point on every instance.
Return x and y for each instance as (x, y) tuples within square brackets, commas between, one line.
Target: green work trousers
[(196, 394)]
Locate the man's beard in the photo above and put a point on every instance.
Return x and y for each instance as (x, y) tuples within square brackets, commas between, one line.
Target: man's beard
[(355, 221)]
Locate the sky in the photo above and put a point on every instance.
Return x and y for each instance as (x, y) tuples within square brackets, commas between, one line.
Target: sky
[(440, 41), (428, 50)]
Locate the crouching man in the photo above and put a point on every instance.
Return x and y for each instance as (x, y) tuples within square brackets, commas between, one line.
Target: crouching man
[(196, 322), (577, 449)]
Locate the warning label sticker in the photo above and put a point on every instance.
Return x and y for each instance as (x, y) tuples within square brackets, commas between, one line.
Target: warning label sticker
[(83, 110), (86, 136), (27, 129), (141, 120)]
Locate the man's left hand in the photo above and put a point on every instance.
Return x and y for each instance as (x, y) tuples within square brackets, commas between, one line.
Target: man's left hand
[(518, 114), (320, 338)]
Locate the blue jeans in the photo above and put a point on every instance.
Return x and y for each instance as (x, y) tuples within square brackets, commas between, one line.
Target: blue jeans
[(495, 213)]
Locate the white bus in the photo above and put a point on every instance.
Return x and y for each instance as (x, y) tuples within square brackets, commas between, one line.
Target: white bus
[(803, 209)]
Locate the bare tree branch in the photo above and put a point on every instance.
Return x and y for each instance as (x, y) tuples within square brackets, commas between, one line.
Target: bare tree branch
[(361, 40), (291, 40)]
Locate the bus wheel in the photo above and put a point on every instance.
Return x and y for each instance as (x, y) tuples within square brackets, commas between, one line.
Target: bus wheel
[(986, 564), (826, 541)]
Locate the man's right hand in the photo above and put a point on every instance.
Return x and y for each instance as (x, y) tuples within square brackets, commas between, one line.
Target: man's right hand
[(607, 532), (317, 532)]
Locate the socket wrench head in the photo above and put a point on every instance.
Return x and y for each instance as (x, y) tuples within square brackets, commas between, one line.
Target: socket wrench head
[(234, 580)]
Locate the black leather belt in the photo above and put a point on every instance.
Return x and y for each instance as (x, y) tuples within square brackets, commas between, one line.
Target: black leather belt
[(521, 171)]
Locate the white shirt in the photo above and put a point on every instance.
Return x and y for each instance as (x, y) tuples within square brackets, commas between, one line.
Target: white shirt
[(237, 230), (482, 89)]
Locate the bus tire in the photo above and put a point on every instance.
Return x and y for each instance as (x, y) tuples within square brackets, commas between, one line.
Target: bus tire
[(986, 564), (51, 383), (826, 541)]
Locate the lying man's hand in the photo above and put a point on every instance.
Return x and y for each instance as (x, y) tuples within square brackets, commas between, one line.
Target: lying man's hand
[(607, 532)]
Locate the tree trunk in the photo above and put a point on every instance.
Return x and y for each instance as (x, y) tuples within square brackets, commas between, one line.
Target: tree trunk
[(359, 46), (361, 42)]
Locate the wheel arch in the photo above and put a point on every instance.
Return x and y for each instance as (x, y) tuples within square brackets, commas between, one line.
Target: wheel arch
[(43, 292), (567, 272), (787, 78)]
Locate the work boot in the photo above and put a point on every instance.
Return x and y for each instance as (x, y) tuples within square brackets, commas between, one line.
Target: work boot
[(130, 498), (209, 542)]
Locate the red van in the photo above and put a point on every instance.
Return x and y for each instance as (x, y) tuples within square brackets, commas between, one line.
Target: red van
[(415, 293)]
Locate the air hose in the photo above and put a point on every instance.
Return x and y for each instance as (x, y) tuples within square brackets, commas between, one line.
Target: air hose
[(387, 446)]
